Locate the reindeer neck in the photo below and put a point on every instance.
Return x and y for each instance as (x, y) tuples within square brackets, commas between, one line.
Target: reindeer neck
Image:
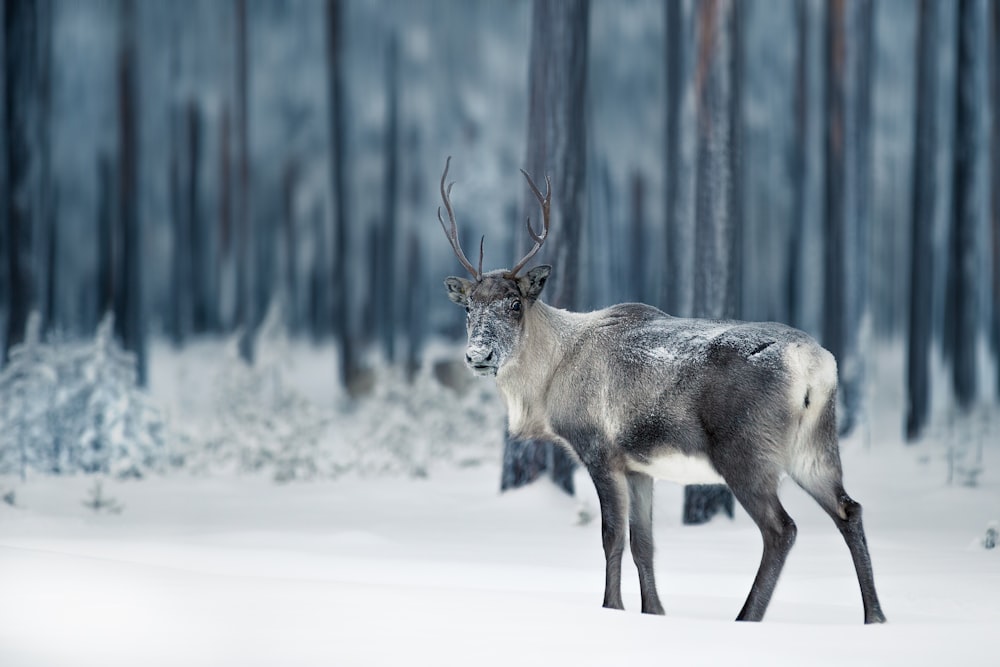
[(548, 333)]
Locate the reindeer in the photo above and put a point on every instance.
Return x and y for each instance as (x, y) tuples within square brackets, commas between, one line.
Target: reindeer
[(636, 394)]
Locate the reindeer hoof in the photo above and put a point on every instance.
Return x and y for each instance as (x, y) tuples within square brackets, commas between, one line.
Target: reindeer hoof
[(875, 617)]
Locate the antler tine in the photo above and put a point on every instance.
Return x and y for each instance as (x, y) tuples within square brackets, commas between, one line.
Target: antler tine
[(452, 234), (545, 202)]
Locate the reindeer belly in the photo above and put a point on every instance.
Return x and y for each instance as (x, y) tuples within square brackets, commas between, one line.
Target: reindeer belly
[(675, 466)]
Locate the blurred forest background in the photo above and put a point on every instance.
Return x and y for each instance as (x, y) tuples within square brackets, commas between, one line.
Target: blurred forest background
[(189, 165)]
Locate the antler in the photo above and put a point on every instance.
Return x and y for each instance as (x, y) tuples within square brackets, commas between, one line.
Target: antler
[(539, 239), (453, 233)]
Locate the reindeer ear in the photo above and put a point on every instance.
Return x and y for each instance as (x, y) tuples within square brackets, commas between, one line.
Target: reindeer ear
[(531, 283), (458, 289)]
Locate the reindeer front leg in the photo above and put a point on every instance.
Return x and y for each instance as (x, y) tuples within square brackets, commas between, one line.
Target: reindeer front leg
[(612, 491)]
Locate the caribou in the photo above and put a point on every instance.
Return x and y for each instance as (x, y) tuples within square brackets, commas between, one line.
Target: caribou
[(636, 395)]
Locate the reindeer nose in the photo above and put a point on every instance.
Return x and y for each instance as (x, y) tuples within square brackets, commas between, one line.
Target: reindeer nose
[(478, 356)]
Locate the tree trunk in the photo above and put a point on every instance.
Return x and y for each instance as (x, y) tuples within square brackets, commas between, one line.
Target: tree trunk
[(386, 301), (556, 147), (106, 227), (847, 202), (994, 58), (799, 160), (129, 319), (342, 329), (180, 312), (557, 135), (246, 315), (674, 299), (197, 238), (962, 316), (413, 314), (290, 290), (636, 258), (922, 225), (21, 102), (717, 236), (5, 285)]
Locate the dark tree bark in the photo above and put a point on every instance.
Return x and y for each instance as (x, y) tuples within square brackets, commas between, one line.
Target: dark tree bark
[(343, 331), (717, 236), (129, 316), (413, 314), (106, 246), (290, 242), (179, 321), (386, 300), (21, 106), (922, 225), (799, 161), (674, 90), (201, 315), (5, 287), (636, 270), (994, 58), (556, 147), (962, 317), (557, 135), (226, 262), (848, 169), (246, 292)]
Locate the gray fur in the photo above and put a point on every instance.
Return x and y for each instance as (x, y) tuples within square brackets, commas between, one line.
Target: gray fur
[(634, 393)]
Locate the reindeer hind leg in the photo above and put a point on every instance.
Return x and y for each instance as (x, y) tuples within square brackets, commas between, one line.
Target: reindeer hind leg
[(758, 494), (820, 473), (846, 514)]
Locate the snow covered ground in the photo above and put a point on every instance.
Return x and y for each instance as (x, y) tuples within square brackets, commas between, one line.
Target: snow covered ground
[(391, 569)]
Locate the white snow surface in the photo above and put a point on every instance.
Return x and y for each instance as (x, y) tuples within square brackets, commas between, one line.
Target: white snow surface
[(236, 569)]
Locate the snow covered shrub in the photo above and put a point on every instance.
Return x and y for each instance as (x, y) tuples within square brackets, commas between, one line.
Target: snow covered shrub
[(27, 391), (404, 428), (259, 421), (76, 407)]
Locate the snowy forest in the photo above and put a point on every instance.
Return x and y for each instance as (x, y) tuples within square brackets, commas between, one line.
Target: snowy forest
[(219, 252), (186, 167)]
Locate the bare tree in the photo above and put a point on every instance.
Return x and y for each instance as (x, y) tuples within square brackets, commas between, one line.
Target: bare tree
[(848, 171), (343, 329), (557, 129), (717, 211), (922, 225), (385, 301), (994, 58), (962, 306), (22, 102), (129, 319), (556, 146), (246, 315), (677, 254)]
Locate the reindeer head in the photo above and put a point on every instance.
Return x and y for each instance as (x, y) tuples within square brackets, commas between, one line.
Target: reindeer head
[(497, 302)]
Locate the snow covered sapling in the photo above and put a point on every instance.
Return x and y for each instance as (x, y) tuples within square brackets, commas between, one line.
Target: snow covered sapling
[(70, 407), (992, 535), (637, 394), (97, 501)]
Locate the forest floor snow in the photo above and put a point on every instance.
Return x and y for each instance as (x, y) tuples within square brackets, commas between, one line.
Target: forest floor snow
[(239, 570), (224, 568)]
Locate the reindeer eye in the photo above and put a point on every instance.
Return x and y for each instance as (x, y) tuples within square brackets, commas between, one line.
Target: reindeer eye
[(515, 307)]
